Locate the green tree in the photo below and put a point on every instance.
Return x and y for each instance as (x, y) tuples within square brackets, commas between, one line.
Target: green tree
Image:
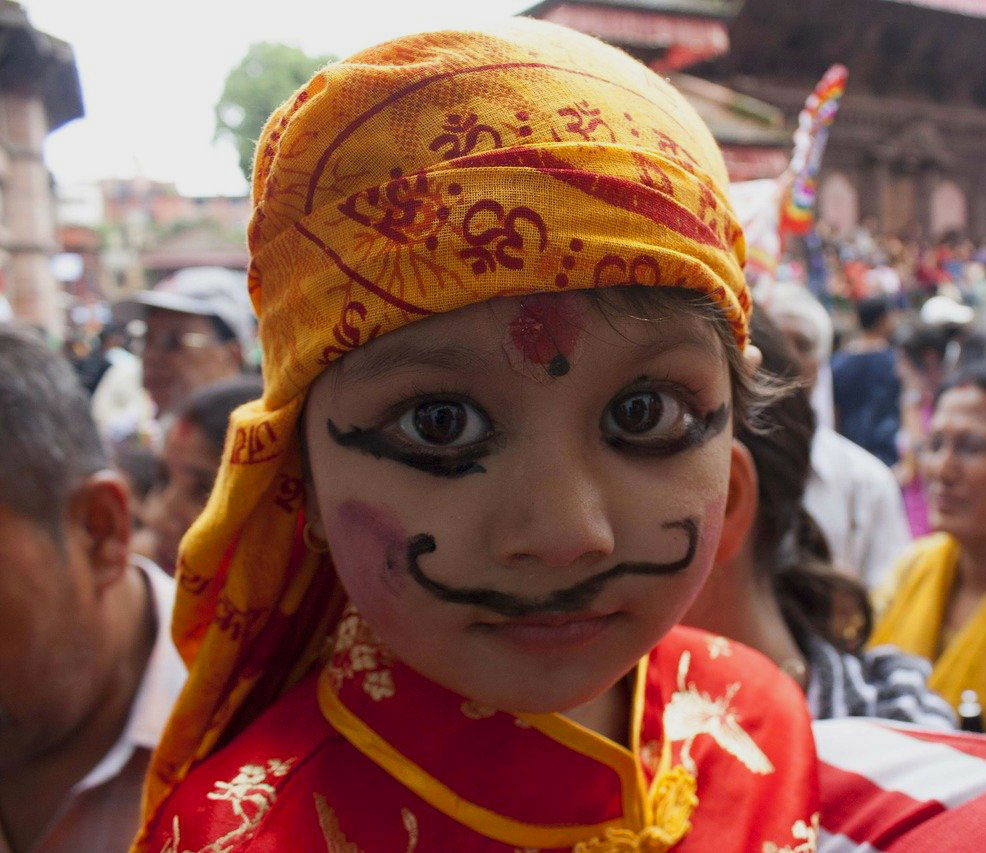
[(265, 77)]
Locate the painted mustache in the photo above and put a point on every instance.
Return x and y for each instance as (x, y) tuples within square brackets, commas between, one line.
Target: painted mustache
[(574, 598)]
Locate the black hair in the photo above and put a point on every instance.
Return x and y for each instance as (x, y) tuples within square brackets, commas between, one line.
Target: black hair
[(49, 440), (112, 330), (871, 311), (789, 547), (222, 329), (209, 408), (973, 373), (917, 339)]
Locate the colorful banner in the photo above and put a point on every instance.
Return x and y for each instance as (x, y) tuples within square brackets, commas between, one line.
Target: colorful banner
[(797, 207)]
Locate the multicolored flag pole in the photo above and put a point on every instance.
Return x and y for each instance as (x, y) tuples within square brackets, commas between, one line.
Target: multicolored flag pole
[(770, 209), (797, 213)]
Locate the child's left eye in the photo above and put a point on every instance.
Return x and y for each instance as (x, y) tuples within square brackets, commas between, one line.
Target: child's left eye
[(444, 423), (642, 416)]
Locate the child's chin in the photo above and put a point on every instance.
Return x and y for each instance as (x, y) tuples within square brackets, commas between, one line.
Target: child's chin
[(545, 700)]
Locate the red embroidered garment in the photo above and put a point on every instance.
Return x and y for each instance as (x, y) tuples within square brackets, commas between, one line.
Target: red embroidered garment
[(368, 755)]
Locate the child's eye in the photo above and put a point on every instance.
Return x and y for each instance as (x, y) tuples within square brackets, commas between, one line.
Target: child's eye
[(444, 423), (642, 415), (654, 422)]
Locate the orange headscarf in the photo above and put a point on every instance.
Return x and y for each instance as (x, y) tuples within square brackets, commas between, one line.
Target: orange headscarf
[(418, 177)]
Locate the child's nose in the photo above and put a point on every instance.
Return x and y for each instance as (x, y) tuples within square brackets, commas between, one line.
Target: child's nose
[(555, 514)]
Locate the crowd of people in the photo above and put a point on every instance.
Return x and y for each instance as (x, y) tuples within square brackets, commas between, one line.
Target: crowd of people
[(499, 564)]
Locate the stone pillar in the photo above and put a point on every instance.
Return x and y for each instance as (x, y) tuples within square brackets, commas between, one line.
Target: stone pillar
[(977, 205), (928, 178), (29, 214), (874, 189)]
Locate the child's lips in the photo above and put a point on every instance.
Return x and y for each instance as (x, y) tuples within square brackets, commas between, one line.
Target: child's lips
[(550, 631)]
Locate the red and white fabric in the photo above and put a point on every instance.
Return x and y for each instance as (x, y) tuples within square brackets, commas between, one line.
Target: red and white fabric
[(899, 788)]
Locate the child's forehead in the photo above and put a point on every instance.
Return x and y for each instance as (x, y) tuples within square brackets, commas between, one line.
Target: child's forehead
[(506, 332)]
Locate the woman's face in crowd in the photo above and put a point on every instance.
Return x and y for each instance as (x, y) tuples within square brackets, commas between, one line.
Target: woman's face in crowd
[(953, 464), (523, 496), (188, 467)]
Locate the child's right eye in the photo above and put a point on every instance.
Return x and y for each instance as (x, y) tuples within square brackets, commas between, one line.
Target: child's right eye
[(444, 423)]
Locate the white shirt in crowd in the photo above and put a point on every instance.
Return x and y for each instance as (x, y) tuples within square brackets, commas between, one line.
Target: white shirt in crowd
[(856, 501), (159, 688)]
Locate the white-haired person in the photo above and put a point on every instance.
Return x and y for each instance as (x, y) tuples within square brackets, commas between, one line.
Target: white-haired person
[(852, 495)]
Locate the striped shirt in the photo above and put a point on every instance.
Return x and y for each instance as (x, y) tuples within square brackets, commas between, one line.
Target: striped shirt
[(882, 682)]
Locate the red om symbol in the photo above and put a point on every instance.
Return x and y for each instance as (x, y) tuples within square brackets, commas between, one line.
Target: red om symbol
[(579, 113), (669, 146), (290, 490), (346, 334), (253, 444), (237, 623), (652, 175), (506, 235), (707, 204), (394, 206), (612, 269), (456, 127)]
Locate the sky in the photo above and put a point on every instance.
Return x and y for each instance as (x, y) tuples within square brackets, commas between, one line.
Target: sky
[(152, 72)]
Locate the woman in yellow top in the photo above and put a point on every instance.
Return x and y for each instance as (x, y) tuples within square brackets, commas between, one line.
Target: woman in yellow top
[(431, 604), (938, 609)]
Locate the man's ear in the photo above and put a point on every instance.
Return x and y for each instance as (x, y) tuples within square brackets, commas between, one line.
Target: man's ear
[(741, 504), (100, 510)]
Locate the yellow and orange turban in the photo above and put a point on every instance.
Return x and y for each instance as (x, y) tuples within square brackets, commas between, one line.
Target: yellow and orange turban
[(418, 177)]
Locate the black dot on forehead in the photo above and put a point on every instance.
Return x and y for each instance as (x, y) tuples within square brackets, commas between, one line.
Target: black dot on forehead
[(558, 366)]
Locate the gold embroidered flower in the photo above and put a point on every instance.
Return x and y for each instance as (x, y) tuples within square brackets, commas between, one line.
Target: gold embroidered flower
[(379, 685), (346, 633), (650, 755), (651, 840), (807, 832), (362, 657), (672, 802), (719, 647)]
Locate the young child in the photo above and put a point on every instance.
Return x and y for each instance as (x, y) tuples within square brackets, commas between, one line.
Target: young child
[(431, 602)]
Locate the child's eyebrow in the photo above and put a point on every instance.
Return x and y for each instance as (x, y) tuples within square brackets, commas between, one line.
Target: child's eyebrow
[(395, 355), (387, 357), (685, 336)]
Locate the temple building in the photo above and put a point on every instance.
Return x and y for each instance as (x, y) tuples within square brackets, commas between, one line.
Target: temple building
[(670, 36), (906, 152), (39, 92)]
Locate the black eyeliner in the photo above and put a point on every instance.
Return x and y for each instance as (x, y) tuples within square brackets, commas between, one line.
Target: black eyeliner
[(373, 443), (696, 433)]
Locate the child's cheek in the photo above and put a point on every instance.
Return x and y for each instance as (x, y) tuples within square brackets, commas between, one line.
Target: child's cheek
[(369, 545), (710, 531)]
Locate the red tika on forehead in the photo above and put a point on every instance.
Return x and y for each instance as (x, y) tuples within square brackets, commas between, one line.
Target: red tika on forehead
[(546, 329)]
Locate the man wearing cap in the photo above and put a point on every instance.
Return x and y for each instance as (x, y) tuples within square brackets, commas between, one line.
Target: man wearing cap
[(199, 331)]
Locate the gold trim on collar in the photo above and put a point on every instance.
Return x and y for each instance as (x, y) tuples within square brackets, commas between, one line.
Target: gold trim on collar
[(439, 796)]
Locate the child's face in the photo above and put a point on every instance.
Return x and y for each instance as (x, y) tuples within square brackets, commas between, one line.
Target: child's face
[(523, 496)]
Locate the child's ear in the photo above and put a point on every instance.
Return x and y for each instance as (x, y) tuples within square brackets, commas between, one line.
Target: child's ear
[(741, 504), (313, 518)]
